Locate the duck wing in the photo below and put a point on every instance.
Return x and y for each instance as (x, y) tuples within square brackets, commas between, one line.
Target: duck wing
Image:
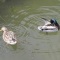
[(10, 36), (46, 22)]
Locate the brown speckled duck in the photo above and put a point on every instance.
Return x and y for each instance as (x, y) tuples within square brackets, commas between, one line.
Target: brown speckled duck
[(9, 36)]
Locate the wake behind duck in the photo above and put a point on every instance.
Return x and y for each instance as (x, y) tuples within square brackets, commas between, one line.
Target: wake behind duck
[(49, 26)]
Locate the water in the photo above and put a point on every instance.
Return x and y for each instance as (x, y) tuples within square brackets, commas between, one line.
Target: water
[(23, 17)]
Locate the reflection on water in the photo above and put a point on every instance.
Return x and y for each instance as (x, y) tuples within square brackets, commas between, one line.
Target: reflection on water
[(23, 17)]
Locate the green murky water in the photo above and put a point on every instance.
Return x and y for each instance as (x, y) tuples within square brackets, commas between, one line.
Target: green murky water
[(23, 17)]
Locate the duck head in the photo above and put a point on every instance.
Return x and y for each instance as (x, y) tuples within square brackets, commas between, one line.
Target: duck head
[(51, 21), (54, 22), (4, 29)]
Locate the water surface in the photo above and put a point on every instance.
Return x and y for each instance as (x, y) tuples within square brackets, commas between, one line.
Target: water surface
[(23, 17)]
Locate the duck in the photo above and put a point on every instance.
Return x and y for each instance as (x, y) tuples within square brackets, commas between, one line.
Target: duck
[(49, 26), (8, 36)]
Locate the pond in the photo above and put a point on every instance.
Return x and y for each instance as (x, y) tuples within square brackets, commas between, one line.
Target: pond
[(23, 17)]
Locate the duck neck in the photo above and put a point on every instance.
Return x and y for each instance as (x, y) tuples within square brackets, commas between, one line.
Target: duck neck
[(5, 31), (58, 26)]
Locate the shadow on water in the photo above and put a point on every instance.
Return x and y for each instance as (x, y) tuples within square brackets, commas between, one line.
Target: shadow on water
[(47, 33), (14, 47)]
